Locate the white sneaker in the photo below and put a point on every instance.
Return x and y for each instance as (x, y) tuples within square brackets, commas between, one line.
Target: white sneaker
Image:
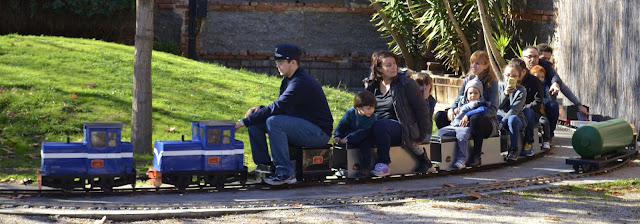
[(460, 165), (546, 145), (381, 170)]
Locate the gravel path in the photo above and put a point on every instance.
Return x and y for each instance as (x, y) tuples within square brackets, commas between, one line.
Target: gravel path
[(509, 207)]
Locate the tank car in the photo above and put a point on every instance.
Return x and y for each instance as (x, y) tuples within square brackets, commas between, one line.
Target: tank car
[(101, 160), (211, 158), (602, 143)]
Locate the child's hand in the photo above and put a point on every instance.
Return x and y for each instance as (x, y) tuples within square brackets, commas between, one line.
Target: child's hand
[(451, 114), (509, 90), (344, 140), (464, 121)]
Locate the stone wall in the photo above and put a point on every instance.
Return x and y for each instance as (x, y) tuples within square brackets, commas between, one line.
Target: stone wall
[(336, 35)]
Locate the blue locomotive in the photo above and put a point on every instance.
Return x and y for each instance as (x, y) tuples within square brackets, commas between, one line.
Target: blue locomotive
[(101, 160), (211, 158)]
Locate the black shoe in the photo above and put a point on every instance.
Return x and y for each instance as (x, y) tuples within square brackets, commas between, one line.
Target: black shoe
[(474, 161), (512, 155), (425, 164)]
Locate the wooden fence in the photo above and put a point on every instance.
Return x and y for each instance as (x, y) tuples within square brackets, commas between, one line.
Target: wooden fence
[(598, 54)]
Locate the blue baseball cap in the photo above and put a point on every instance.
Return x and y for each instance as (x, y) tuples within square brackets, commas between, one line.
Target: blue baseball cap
[(288, 51)]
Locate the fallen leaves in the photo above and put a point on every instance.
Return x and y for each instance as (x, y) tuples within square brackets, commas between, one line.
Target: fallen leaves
[(11, 114), (448, 185), (552, 219), (595, 188), (91, 85), (73, 96), (458, 208), (475, 195), (555, 190), (386, 189), (34, 155), (8, 149), (171, 129)]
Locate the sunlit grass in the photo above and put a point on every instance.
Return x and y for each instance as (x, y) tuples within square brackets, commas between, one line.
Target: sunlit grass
[(50, 86)]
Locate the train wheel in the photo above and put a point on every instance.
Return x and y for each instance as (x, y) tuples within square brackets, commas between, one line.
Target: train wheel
[(576, 168)]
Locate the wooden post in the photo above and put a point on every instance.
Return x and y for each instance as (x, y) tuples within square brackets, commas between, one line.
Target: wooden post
[(141, 104)]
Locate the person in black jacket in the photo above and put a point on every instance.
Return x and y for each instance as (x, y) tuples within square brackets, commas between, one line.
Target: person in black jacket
[(535, 95), (300, 116), (402, 113)]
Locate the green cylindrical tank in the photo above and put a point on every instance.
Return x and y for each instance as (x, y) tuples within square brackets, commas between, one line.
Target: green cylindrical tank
[(593, 140)]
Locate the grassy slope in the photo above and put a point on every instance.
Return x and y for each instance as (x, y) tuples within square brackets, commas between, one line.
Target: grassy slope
[(39, 77)]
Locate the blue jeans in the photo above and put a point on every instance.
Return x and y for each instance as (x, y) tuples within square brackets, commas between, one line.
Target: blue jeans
[(552, 111), (362, 138), (532, 122), (546, 133), (515, 125), (462, 135), (385, 133), (283, 130)]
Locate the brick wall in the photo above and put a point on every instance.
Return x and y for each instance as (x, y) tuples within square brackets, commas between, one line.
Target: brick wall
[(336, 35)]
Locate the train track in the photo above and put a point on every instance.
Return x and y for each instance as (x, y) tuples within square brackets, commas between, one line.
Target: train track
[(187, 209), (141, 210)]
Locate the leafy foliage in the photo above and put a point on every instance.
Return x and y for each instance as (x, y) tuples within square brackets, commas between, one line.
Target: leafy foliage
[(427, 25), (404, 24)]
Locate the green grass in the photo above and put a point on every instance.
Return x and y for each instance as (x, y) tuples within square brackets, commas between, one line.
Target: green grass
[(576, 192), (50, 86)]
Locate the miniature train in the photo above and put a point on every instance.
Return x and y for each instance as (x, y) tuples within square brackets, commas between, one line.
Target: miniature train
[(213, 157)]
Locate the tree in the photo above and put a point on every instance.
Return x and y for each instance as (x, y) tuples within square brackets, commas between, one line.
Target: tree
[(398, 20), (141, 106), (449, 27), (496, 60)]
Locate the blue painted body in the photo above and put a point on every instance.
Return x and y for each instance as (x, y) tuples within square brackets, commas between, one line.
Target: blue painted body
[(212, 148), (100, 152)]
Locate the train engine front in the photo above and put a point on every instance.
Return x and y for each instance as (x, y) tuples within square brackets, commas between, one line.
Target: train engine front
[(101, 160), (211, 158)]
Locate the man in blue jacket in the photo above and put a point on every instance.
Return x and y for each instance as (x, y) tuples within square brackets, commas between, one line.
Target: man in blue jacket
[(552, 84), (300, 116)]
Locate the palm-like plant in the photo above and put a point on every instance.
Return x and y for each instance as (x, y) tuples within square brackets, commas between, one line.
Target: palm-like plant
[(396, 19), (450, 27)]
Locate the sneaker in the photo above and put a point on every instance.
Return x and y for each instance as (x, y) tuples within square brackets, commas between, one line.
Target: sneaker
[(459, 164), (512, 155), (528, 150), (546, 145), (280, 180), (381, 170)]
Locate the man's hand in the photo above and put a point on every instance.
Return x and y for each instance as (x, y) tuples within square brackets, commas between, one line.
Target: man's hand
[(251, 111), (583, 110), (336, 140), (239, 124), (555, 88), (464, 121)]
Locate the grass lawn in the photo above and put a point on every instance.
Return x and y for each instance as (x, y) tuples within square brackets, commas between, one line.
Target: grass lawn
[(50, 86)]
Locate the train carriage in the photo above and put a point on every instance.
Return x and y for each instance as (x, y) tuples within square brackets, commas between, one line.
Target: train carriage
[(101, 160), (212, 157)]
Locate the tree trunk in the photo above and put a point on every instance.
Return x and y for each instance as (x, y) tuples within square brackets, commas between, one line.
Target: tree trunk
[(141, 114), (399, 41), (463, 38), (497, 62)]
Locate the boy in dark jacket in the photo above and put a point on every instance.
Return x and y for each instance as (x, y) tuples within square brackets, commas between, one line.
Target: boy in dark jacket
[(355, 126)]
